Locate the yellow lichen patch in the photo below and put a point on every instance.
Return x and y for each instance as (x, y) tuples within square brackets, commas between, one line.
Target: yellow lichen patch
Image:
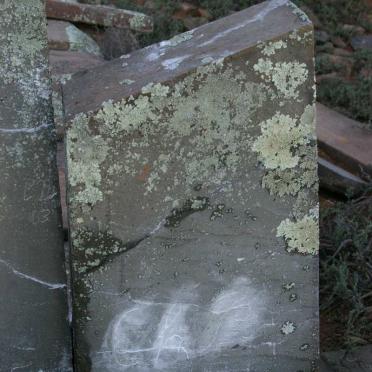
[(287, 77), (301, 236)]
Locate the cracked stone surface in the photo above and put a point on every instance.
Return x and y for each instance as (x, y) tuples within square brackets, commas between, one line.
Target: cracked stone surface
[(192, 200), (35, 334)]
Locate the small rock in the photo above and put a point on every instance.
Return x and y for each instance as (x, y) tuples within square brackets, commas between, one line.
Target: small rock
[(354, 29), (342, 52), (321, 37), (366, 72), (193, 22), (336, 63), (362, 42), (325, 48), (338, 42)]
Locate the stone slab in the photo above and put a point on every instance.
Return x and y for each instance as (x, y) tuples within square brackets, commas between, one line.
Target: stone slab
[(34, 329), (66, 36), (344, 140), (98, 15), (192, 194)]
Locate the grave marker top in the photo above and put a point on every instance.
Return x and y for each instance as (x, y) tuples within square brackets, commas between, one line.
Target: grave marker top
[(192, 197), (224, 38)]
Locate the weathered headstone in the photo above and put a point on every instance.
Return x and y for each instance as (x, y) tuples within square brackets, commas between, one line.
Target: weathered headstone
[(34, 329), (192, 196)]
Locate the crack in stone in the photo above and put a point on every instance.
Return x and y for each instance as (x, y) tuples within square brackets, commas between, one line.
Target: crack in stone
[(109, 257)]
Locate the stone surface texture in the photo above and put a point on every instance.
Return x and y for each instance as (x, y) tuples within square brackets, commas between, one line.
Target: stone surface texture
[(98, 15), (34, 330), (192, 193), (66, 36)]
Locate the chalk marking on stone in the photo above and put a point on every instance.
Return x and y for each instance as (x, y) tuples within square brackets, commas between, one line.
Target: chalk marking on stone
[(33, 279), (157, 227), (25, 130), (20, 367), (239, 300), (258, 17)]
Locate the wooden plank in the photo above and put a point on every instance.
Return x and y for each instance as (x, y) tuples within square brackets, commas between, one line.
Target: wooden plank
[(344, 140), (98, 15)]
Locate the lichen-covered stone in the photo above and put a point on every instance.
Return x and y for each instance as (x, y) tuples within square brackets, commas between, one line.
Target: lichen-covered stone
[(35, 334), (179, 183)]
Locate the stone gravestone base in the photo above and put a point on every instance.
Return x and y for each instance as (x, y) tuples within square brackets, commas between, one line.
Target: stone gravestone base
[(192, 196)]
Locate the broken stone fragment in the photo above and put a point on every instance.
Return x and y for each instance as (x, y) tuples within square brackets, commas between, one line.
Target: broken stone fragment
[(65, 36), (98, 15), (191, 176)]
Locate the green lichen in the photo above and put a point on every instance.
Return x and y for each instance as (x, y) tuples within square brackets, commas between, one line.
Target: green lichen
[(298, 12), (126, 82), (178, 39), (189, 117), (286, 148), (288, 328), (25, 45), (23, 42), (270, 48), (138, 22), (280, 137), (287, 77), (301, 236), (86, 152)]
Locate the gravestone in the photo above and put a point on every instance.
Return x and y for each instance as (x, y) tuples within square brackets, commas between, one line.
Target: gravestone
[(34, 329), (192, 193)]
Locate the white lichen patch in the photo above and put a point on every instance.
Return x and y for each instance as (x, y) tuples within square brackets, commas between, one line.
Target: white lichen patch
[(301, 236), (126, 82), (281, 136), (271, 47), (287, 77), (23, 63), (157, 90), (286, 148), (86, 152), (298, 12), (178, 39), (201, 121), (288, 328), (138, 21)]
